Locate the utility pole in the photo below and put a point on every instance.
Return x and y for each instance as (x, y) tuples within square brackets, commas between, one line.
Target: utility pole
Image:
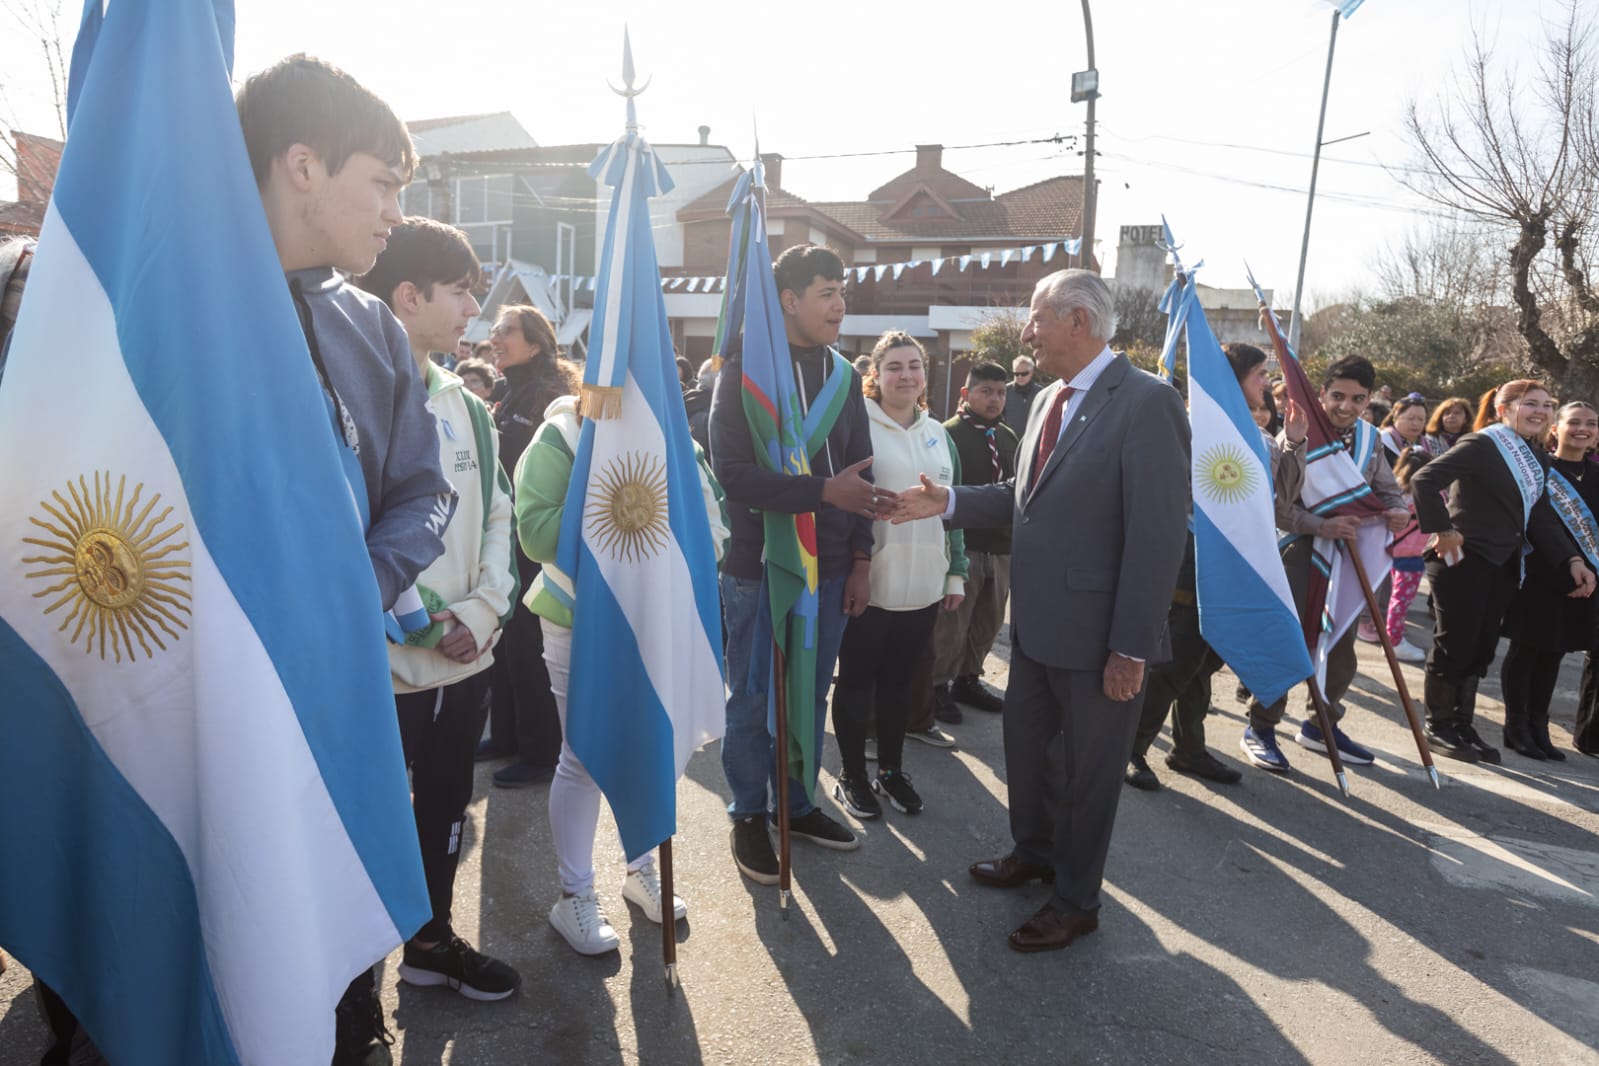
[(1310, 202), (1085, 86)]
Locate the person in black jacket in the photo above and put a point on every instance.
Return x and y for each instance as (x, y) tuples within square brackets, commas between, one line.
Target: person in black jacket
[(810, 283), (523, 720), (1495, 480), (1544, 622)]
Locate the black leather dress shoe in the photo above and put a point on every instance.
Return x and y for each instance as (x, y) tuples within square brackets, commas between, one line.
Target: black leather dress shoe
[(1010, 872), (1051, 929), (1140, 776), (972, 692), (1486, 752), (1204, 765)]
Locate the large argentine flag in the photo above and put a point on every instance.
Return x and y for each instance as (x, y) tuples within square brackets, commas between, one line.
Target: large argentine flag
[(206, 832), (646, 675), (1246, 611)]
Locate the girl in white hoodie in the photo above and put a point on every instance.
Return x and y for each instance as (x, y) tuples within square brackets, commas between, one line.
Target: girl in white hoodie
[(917, 569)]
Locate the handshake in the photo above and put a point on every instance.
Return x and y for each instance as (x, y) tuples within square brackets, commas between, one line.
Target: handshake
[(848, 491)]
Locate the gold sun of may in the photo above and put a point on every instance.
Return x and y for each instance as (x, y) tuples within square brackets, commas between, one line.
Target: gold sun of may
[(116, 568), (626, 510)]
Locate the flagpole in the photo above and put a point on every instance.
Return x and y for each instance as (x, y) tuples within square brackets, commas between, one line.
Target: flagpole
[(1381, 626), (1324, 716), (668, 917), (780, 686), (1310, 201)]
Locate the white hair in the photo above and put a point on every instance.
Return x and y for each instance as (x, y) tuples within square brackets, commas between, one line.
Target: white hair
[(1016, 363), (1068, 290)]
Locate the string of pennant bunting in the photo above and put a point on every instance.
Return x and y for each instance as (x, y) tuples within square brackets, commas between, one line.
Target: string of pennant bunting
[(876, 271)]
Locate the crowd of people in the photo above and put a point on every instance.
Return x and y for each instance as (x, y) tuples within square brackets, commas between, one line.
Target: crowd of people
[(1078, 488)]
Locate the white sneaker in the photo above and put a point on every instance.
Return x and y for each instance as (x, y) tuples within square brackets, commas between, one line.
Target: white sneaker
[(643, 889), (1408, 652), (582, 922)]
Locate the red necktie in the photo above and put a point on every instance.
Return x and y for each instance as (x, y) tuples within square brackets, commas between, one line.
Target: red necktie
[(1050, 435)]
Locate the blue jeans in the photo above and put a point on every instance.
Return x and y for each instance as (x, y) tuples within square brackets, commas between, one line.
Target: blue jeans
[(749, 756)]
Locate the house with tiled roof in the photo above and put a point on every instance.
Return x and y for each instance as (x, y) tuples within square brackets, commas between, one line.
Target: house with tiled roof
[(37, 160), (951, 251)]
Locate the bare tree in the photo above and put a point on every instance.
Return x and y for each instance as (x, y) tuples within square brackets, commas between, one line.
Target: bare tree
[(41, 22), (1523, 159)]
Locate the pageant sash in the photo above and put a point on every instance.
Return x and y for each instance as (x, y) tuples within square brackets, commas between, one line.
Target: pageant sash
[(1523, 464), (1574, 512)]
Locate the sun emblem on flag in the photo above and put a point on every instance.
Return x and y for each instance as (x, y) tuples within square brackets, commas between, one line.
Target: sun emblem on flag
[(1225, 474), (115, 564), (627, 507)]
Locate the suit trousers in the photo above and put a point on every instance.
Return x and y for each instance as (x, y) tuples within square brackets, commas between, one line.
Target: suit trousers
[(1066, 744), (1341, 667), (963, 637)]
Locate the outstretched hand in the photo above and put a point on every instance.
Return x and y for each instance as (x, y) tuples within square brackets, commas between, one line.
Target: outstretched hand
[(926, 500), (1296, 423)]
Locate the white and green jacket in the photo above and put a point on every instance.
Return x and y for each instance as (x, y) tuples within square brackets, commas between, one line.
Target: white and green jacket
[(476, 575), (917, 563), (543, 475)]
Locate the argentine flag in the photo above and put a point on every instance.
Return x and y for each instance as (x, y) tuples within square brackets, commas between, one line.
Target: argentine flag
[(646, 674), (1246, 611), (206, 831)]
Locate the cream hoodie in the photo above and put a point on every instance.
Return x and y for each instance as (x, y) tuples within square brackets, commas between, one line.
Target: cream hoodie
[(920, 562), (475, 575)]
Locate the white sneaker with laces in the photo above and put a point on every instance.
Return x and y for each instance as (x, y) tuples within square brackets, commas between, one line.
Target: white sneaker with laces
[(1408, 652), (582, 922), (643, 889)]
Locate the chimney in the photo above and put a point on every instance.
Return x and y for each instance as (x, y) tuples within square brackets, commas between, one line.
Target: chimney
[(705, 135), (929, 156), (774, 169)]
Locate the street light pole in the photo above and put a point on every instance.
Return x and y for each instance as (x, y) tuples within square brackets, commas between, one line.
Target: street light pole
[(1310, 202), (1090, 190)]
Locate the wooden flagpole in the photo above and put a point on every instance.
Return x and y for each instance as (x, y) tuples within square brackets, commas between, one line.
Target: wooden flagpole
[(668, 917), (1381, 625), (780, 683), (1324, 716)]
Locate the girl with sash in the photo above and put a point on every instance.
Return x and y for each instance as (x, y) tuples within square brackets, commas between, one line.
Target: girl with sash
[(1497, 511), (1450, 421), (918, 568), (1544, 622)]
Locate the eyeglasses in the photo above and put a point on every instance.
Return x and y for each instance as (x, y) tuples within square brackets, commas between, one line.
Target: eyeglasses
[(1023, 374)]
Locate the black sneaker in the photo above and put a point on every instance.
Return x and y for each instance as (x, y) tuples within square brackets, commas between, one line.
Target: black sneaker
[(823, 831), (523, 775), (752, 850), (856, 797), (944, 708), (971, 691), (1444, 740), (895, 786), (360, 1037), (454, 963)]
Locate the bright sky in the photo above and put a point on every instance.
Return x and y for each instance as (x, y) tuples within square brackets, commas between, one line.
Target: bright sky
[(1208, 112)]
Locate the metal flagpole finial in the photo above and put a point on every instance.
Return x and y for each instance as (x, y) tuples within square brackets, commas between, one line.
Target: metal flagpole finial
[(628, 76)]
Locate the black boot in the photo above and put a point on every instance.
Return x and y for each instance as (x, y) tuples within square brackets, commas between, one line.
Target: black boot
[(1518, 737), (1442, 698), (1467, 710), (1538, 733)]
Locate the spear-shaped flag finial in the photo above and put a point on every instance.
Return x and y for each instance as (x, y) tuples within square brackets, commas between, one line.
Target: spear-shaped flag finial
[(628, 76)]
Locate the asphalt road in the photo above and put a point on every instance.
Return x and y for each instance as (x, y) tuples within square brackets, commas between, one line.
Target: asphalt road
[(1270, 921)]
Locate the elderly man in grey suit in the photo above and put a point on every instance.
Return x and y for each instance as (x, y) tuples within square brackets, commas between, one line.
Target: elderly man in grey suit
[(1099, 510)]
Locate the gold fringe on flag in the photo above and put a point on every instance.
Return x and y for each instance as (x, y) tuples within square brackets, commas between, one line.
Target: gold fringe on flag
[(600, 402), (716, 363)]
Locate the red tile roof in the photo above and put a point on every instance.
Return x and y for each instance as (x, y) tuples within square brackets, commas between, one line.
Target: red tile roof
[(1049, 209)]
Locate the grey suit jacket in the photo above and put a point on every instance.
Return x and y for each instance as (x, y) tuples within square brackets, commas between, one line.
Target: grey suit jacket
[(1097, 545)]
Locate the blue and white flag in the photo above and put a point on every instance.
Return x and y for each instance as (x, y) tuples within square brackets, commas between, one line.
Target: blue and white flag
[(645, 689), (207, 832), (1347, 7), (1246, 610)]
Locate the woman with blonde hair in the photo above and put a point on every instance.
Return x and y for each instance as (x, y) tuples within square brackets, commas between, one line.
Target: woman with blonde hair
[(918, 568)]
